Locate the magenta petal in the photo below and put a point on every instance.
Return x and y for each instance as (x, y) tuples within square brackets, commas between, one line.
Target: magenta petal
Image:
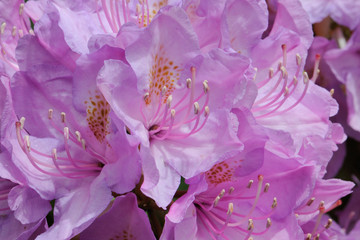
[(117, 82), (88, 67), (245, 23), (77, 210), (11, 228), (253, 137), (122, 175), (124, 220), (160, 180), (51, 37), (292, 16), (169, 36), (185, 229), (215, 143), (180, 207), (27, 205)]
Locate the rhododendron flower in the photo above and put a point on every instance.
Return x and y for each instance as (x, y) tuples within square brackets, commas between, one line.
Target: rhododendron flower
[(171, 100), (71, 157), (22, 210), (227, 201)]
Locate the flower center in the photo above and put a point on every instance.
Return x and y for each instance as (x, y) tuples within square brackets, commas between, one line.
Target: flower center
[(219, 214), (175, 121)]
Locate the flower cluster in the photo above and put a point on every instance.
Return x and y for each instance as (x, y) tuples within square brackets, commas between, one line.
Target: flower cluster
[(177, 119)]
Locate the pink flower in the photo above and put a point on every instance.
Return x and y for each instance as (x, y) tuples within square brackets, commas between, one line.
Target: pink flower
[(72, 157), (231, 200), (170, 98)]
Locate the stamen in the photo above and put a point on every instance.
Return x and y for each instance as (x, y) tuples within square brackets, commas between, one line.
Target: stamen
[(317, 237), (231, 190), (268, 223), (216, 201), (27, 141), (117, 13), (256, 70), (13, 32), (66, 133), (78, 136), (271, 72), (207, 111), (22, 121), (274, 204), (196, 108), (328, 224), (21, 9), (286, 92), (124, 13), (85, 168), (163, 126), (250, 183), (230, 209), (107, 15), (311, 200), (54, 153), (306, 82), (172, 119), (193, 73), (298, 59), (283, 76), (83, 143), (163, 91), (295, 81), (63, 117), (250, 225), (206, 86), (266, 188), (340, 38), (222, 193), (2, 28), (188, 83), (318, 220), (308, 236), (113, 15), (284, 54), (316, 68), (332, 91)]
